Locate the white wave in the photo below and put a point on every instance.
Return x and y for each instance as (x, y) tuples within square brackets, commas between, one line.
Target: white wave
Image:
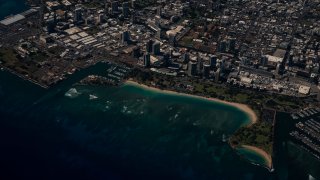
[(92, 97), (124, 109), (72, 93), (169, 108), (109, 102)]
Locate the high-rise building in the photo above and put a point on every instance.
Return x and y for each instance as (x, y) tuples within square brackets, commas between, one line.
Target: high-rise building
[(278, 69), (77, 15), (213, 61), (125, 37), (222, 64), (156, 48), (199, 65), (133, 4), (146, 60), (290, 59), (206, 70), (166, 59), (136, 52), (231, 44), (185, 57), (50, 25), (114, 7), (318, 94), (106, 7), (100, 19), (217, 75), (159, 11), (264, 61), (210, 5), (172, 39), (192, 68), (125, 9), (149, 46), (159, 33), (222, 46)]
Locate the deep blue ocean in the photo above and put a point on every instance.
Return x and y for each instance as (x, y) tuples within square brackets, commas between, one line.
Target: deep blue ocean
[(8, 7), (127, 133)]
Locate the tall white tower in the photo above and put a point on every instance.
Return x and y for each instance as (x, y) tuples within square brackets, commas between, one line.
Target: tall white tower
[(318, 94)]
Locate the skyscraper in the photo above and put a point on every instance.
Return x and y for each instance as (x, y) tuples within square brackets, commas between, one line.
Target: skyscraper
[(125, 38), (166, 59), (114, 7), (217, 75), (192, 68), (159, 33), (206, 70), (264, 61), (146, 60), (278, 69), (199, 65), (149, 46), (172, 39), (51, 25), (159, 11), (100, 19), (133, 4), (213, 61), (318, 94), (156, 48), (77, 15), (136, 52), (222, 46), (231, 44), (185, 57), (125, 9)]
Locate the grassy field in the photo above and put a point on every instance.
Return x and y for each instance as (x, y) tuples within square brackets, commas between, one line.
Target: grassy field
[(8, 56), (258, 135)]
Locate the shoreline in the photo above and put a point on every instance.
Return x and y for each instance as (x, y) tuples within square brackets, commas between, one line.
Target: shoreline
[(243, 107), (3, 68), (261, 153)]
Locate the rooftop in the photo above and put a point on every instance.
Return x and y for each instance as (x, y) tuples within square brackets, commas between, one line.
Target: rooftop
[(304, 89), (12, 19)]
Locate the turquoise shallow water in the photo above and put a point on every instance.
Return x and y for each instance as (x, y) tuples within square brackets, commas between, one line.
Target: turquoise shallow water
[(252, 156)]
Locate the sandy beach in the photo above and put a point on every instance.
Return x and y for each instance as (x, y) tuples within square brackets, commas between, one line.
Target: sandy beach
[(253, 117), (262, 153)]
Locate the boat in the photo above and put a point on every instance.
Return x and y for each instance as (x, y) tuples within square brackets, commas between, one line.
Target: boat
[(224, 138), (92, 97), (2, 69)]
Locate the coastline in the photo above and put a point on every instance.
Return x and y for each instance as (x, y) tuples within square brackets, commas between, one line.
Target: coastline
[(262, 153), (3, 68), (243, 107)]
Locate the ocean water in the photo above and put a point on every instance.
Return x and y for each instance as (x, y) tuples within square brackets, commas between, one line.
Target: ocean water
[(127, 133), (252, 156), (8, 7)]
